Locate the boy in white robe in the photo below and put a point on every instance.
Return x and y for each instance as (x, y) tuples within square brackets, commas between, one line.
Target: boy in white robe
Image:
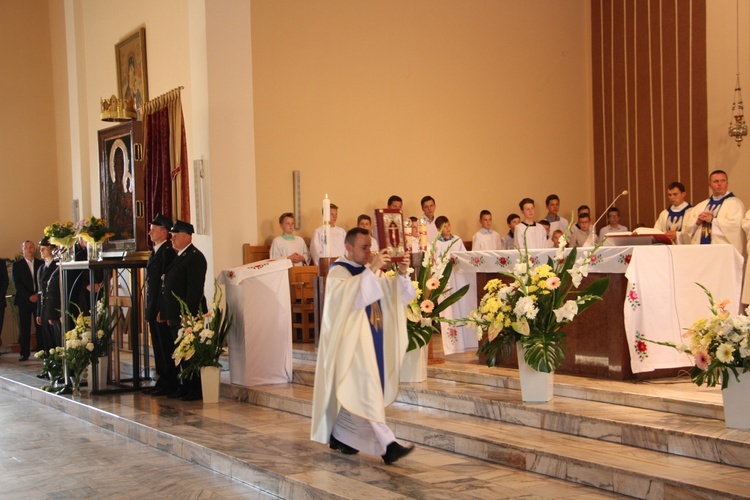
[(318, 240), (486, 238), (289, 246), (528, 234), (456, 339)]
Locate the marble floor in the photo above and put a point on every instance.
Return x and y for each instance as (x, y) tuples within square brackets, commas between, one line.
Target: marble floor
[(136, 446)]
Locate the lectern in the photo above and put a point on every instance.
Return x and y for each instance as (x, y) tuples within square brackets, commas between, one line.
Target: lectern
[(260, 338)]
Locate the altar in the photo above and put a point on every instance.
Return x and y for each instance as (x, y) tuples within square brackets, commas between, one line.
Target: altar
[(260, 338), (652, 293)]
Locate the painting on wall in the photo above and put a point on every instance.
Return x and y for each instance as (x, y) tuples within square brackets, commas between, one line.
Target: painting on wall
[(132, 78)]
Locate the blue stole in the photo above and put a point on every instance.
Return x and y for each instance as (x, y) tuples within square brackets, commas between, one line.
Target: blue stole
[(375, 315), (675, 218), (713, 206)]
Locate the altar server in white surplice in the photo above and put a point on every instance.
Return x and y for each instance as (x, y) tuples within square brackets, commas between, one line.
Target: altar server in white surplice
[(671, 219), (363, 340), (528, 233), (719, 218), (318, 241), (456, 339), (289, 246), (486, 238)]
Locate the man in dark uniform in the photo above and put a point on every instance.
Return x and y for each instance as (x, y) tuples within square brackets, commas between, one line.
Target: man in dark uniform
[(48, 305), (185, 277), (161, 336), (24, 271), (4, 282)]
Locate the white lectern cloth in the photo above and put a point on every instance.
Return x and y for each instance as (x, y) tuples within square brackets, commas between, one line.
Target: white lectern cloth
[(260, 339)]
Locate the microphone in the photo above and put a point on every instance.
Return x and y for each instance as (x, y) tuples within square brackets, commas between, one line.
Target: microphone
[(593, 226)]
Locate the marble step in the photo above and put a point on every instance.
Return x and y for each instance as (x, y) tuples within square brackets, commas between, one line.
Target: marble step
[(667, 395), (613, 467), (271, 450), (686, 435)]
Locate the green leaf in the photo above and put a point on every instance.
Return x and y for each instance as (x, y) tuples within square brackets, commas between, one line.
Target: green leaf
[(449, 301)]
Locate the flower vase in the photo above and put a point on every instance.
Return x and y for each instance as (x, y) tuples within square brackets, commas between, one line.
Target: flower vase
[(536, 387), (66, 254), (210, 381), (414, 366), (94, 250), (737, 402), (102, 373), (75, 380)]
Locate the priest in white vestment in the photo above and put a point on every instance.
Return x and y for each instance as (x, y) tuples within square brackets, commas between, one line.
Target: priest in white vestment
[(363, 340), (717, 219), (671, 219)]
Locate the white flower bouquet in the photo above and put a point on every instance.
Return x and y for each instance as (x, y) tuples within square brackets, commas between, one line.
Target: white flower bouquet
[(532, 306), (202, 338), (719, 344), (433, 297)]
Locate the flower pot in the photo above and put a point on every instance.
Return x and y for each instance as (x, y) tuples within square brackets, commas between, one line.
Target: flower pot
[(102, 373), (737, 402), (536, 387), (414, 366), (210, 381)]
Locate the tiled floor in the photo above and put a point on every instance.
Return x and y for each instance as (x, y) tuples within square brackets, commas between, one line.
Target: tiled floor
[(49, 454)]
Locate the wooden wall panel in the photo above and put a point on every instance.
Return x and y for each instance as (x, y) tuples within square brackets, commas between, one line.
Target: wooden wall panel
[(649, 103)]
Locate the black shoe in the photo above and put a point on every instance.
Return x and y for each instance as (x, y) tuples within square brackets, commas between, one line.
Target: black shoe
[(23, 358), (395, 451), (192, 397), (41, 375), (178, 393), (335, 444)]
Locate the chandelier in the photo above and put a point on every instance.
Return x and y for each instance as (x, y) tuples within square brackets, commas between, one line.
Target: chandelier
[(737, 125)]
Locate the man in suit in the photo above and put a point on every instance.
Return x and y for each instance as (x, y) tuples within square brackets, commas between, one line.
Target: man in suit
[(48, 305), (185, 278), (23, 271), (161, 336), (4, 282)]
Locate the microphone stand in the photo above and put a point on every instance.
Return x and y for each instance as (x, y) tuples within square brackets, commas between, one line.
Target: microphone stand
[(593, 226)]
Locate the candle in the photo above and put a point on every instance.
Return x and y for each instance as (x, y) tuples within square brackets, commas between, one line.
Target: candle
[(326, 209), (327, 226), (422, 233)]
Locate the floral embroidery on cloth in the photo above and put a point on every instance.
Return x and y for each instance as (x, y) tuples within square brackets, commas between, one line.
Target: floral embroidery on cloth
[(640, 346), (633, 298)]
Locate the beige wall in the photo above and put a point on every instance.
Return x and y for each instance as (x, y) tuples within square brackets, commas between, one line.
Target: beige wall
[(721, 43), (478, 104), (28, 174), (28, 189)]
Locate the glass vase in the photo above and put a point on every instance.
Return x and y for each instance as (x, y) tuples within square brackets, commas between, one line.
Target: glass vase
[(75, 379), (66, 254), (94, 250)]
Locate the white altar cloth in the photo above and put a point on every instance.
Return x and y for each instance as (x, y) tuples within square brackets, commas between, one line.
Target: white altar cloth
[(662, 298), (260, 339)]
